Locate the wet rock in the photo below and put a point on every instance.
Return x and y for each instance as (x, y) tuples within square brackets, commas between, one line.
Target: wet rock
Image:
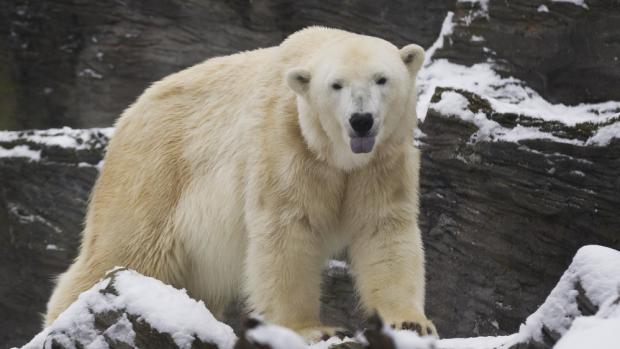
[(71, 64)]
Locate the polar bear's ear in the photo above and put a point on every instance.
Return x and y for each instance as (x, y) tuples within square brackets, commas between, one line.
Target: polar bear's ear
[(413, 57), (298, 80)]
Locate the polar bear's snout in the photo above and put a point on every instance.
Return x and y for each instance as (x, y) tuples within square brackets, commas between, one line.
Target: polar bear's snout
[(362, 139), (361, 123)]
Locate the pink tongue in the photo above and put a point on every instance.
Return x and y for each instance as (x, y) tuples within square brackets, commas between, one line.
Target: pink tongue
[(362, 144)]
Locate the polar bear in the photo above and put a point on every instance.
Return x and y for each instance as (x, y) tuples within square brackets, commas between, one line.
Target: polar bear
[(244, 173)]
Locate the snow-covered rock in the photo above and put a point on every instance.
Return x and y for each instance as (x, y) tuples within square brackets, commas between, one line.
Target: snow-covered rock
[(512, 182), (128, 310), (582, 311), (82, 146)]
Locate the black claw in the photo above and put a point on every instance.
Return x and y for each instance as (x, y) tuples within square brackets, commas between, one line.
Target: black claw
[(418, 329), (344, 333), (251, 323), (325, 336), (429, 330)]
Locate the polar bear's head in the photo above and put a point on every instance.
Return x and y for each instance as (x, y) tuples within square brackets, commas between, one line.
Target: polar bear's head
[(356, 94)]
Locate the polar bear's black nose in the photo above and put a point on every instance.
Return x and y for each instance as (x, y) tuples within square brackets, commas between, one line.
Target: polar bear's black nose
[(361, 123)]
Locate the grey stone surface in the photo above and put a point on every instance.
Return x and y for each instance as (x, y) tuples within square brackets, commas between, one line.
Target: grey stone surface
[(569, 54), (80, 63), (42, 206), (502, 220)]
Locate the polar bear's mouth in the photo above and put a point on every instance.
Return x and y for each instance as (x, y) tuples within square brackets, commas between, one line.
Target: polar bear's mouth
[(362, 144)]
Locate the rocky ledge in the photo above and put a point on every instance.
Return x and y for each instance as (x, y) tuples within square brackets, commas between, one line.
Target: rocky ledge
[(507, 199), (129, 310)]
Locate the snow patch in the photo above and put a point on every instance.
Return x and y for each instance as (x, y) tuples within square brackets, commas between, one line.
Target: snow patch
[(65, 137), (455, 104), (581, 3), (447, 28), (20, 151), (276, 337), (508, 95), (595, 268), (542, 8), (499, 342), (409, 339), (604, 135), (166, 309), (169, 310), (591, 332)]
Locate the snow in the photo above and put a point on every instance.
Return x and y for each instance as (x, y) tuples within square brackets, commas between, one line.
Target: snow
[(276, 337), (478, 342), (455, 104), (20, 151), (507, 95), (168, 310), (409, 339), (329, 343), (65, 137), (122, 331), (484, 4), (165, 308), (479, 8), (581, 3), (596, 268), (591, 332), (446, 29), (542, 8), (605, 134)]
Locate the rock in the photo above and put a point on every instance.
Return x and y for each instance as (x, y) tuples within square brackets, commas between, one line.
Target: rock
[(568, 53), (502, 219), (42, 207), (70, 64), (127, 310)]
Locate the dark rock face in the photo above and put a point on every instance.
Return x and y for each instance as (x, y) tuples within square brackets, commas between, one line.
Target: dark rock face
[(569, 54), (106, 315), (42, 207), (75, 64), (502, 220)]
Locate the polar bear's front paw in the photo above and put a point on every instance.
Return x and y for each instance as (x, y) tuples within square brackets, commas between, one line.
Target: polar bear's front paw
[(423, 328), (321, 333), (416, 322)]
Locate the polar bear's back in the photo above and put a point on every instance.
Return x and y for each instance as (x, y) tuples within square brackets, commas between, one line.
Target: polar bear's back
[(190, 120)]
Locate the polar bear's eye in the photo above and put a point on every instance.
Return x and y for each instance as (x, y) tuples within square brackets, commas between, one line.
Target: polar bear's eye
[(381, 81), (336, 86)]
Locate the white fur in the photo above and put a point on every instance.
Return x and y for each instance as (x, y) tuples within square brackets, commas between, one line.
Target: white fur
[(236, 177)]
